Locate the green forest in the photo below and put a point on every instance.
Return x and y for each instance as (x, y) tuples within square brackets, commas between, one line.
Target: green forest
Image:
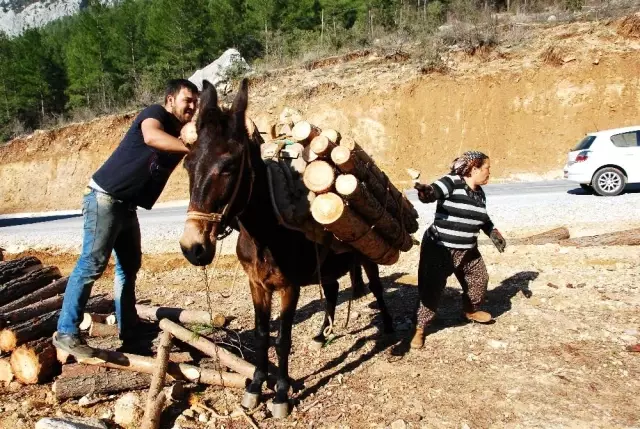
[(107, 58)]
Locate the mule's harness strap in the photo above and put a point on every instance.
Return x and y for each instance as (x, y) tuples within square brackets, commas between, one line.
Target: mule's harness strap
[(207, 217)]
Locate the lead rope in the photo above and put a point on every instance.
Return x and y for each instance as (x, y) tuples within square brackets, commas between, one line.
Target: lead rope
[(210, 307), (329, 329)]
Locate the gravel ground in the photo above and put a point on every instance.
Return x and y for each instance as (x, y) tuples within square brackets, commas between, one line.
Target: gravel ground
[(514, 213)]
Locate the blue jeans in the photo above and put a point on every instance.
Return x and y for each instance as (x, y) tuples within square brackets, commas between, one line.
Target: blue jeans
[(110, 225)]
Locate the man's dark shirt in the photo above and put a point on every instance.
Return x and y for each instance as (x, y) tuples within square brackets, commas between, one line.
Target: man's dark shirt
[(135, 172)]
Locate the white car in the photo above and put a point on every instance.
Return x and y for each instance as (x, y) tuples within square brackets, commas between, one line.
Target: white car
[(606, 161)]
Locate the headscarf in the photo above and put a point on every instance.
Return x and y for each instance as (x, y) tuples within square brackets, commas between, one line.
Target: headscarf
[(463, 165)]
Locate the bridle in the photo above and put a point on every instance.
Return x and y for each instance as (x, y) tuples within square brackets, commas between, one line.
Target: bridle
[(222, 219)]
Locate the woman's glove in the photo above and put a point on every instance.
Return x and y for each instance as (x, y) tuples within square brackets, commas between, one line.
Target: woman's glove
[(426, 194), (498, 240)]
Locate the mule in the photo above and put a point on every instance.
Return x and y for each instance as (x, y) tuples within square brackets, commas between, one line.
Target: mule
[(229, 189)]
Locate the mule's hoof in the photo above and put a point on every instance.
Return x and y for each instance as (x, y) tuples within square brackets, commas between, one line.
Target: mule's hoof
[(250, 400), (315, 345), (280, 411)]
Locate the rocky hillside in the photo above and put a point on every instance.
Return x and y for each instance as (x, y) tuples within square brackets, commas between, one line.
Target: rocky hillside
[(525, 104)]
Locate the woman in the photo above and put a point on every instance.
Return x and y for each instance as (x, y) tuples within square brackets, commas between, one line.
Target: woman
[(450, 244)]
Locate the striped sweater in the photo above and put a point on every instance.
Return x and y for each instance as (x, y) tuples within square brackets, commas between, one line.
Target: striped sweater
[(460, 215)]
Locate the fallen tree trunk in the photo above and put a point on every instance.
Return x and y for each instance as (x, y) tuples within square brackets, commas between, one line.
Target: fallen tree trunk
[(97, 380), (552, 236), (6, 373), (630, 237), (330, 211), (21, 286), (15, 268), (180, 315), (177, 371), (43, 326), (35, 362), (361, 200), (31, 311), (387, 195), (55, 288), (225, 357)]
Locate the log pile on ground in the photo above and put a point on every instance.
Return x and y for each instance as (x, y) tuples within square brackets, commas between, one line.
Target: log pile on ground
[(349, 195)]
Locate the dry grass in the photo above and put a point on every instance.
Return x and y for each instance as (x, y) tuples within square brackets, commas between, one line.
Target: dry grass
[(630, 26), (552, 56)]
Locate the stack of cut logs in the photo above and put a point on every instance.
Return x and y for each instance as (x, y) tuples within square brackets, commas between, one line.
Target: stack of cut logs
[(31, 298), (352, 198)]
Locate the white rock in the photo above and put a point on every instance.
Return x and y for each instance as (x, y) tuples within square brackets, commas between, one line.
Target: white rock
[(70, 422), (128, 410), (189, 413), (552, 18), (89, 400), (204, 418), (399, 424), (217, 73), (495, 344)]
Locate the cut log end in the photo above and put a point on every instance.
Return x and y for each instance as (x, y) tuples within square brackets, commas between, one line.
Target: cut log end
[(103, 330), (332, 135), (340, 156), (327, 208), (303, 132), (319, 176), (321, 146), (6, 373), (346, 184), (34, 362), (8, 340)]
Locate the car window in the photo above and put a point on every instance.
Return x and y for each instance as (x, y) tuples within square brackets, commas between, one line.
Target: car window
[(626, 139), (585, 143)]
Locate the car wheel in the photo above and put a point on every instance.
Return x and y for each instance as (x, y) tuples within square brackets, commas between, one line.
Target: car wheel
[(609, 182)]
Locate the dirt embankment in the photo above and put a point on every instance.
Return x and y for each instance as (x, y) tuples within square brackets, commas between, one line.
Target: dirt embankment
[(525, 104)]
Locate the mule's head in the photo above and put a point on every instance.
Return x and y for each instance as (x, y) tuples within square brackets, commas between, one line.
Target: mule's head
[(219, 173)]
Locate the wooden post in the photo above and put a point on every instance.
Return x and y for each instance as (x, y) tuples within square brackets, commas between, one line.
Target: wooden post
[(155, 397), (322, 146), (180, 315), (226, 358), (177, 371)]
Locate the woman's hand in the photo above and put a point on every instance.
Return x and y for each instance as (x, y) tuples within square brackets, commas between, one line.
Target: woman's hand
[(426, 193), (498, 240)]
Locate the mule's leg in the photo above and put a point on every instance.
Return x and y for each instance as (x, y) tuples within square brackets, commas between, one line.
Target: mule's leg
[(373, 273), (289, 297), (262, 308), (357, 282), (331, 300)]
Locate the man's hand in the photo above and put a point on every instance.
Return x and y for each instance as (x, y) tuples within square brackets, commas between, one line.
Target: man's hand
[(155, 136), (498, 240), (426, 193)]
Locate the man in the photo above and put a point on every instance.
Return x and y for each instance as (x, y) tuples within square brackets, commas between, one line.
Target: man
[(134, 176)]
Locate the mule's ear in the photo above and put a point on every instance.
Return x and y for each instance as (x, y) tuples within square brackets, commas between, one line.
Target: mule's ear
[(208, 106), (242, 98)]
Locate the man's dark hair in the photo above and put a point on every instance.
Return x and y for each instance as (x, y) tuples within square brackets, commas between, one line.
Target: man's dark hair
[(175, 85)]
